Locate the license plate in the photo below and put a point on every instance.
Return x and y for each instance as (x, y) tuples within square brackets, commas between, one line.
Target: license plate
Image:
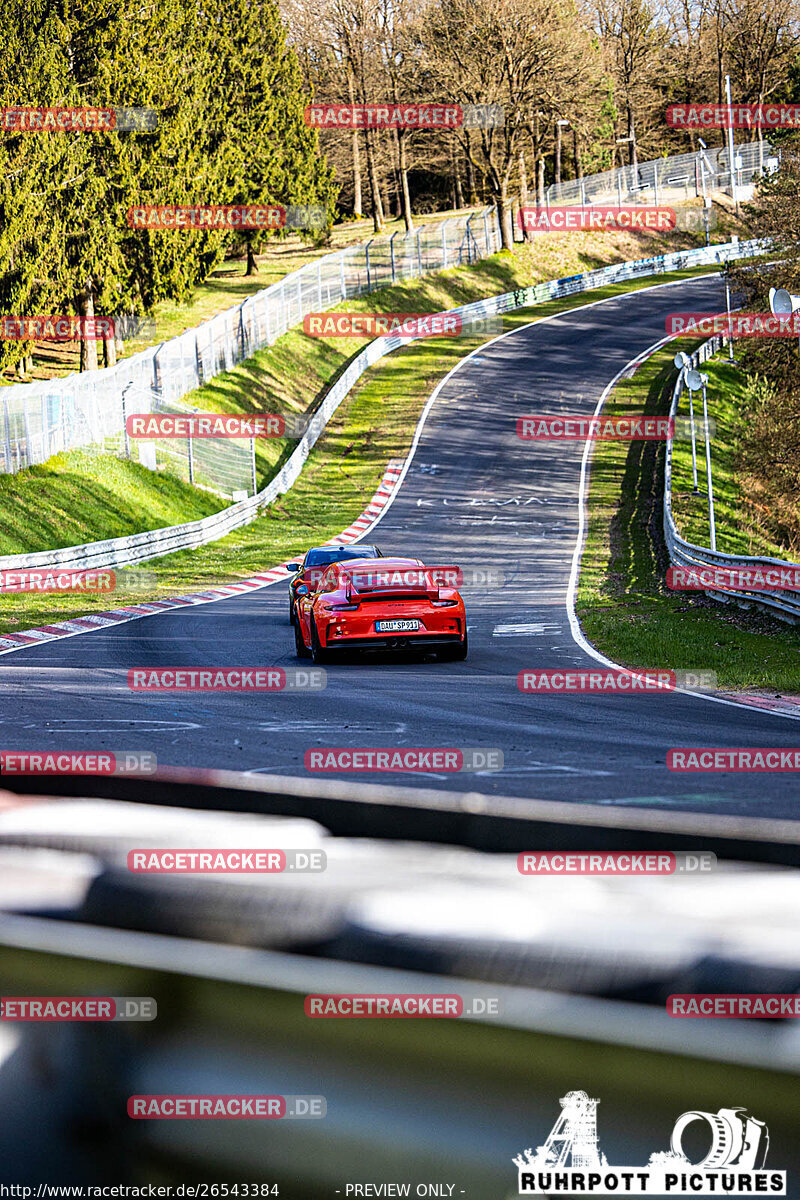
[(396, 626)]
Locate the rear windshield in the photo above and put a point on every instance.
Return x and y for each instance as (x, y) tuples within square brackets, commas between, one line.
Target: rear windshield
[(322, 558)]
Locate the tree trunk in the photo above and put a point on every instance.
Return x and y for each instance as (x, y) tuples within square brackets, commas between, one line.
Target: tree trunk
[(387, 200), (85, 302), (372, 172), (408, 216), (471, 189), (252, 265), (558, 152), (506, 218), (458, 195), (576, 154), (634, 158), (358, 202), (527, 234), (109, 352), (358, 209)]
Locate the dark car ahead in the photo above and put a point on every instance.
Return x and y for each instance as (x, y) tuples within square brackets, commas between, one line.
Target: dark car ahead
[(311, 569)]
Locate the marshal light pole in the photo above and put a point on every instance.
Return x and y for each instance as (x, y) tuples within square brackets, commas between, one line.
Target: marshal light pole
[(683, 363), (695, 381)]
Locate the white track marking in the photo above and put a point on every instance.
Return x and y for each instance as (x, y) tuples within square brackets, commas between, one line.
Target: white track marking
[(575, 628)]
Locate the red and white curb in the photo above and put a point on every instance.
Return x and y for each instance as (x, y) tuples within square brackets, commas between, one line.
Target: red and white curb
[(784, 706), (9, 642)]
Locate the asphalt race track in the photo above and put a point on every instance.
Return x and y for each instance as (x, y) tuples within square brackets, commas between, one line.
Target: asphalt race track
[(475, 495)]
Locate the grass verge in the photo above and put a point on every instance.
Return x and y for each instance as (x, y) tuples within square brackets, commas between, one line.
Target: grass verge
[(623, 604)]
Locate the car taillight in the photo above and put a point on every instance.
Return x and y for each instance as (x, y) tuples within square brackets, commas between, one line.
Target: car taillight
[(443, 603), (342, 607)]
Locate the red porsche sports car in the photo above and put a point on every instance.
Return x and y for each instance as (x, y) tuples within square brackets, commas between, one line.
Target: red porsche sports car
[(383, 604)]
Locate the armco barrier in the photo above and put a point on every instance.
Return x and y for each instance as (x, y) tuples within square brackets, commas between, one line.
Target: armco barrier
[(783, 604), (140, 547)]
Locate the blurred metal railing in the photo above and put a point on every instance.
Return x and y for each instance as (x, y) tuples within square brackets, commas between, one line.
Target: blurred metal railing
[(784, 604), (40, 419)]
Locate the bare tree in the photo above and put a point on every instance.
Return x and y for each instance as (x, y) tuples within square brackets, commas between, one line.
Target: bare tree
[(539, 52)]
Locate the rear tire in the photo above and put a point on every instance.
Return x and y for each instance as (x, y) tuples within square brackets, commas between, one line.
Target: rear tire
[(456, 653), (318, 653), (299, 645)]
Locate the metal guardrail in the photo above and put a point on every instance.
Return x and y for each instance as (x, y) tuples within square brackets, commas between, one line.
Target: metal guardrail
[(786, 604), (140, 547)]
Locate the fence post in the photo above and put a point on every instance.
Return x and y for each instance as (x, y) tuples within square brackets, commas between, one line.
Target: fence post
[(655, 180), (391, 254), (125, 421), (486, 230), (469, 236), (253, 463), (191, 459), (242, 339), (45, 430), (619, 190), (366, 260), (7, 436), (198, 358), (26, 419), (444, 244), (419, 251)]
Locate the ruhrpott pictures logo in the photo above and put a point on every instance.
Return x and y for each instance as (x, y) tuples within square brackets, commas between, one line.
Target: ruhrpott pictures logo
[(570, 1161)]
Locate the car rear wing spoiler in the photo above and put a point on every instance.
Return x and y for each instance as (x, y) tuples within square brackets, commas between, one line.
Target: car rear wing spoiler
[(407, 581)]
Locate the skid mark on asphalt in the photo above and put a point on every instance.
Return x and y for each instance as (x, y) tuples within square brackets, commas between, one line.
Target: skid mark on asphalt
[(531, 629)]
